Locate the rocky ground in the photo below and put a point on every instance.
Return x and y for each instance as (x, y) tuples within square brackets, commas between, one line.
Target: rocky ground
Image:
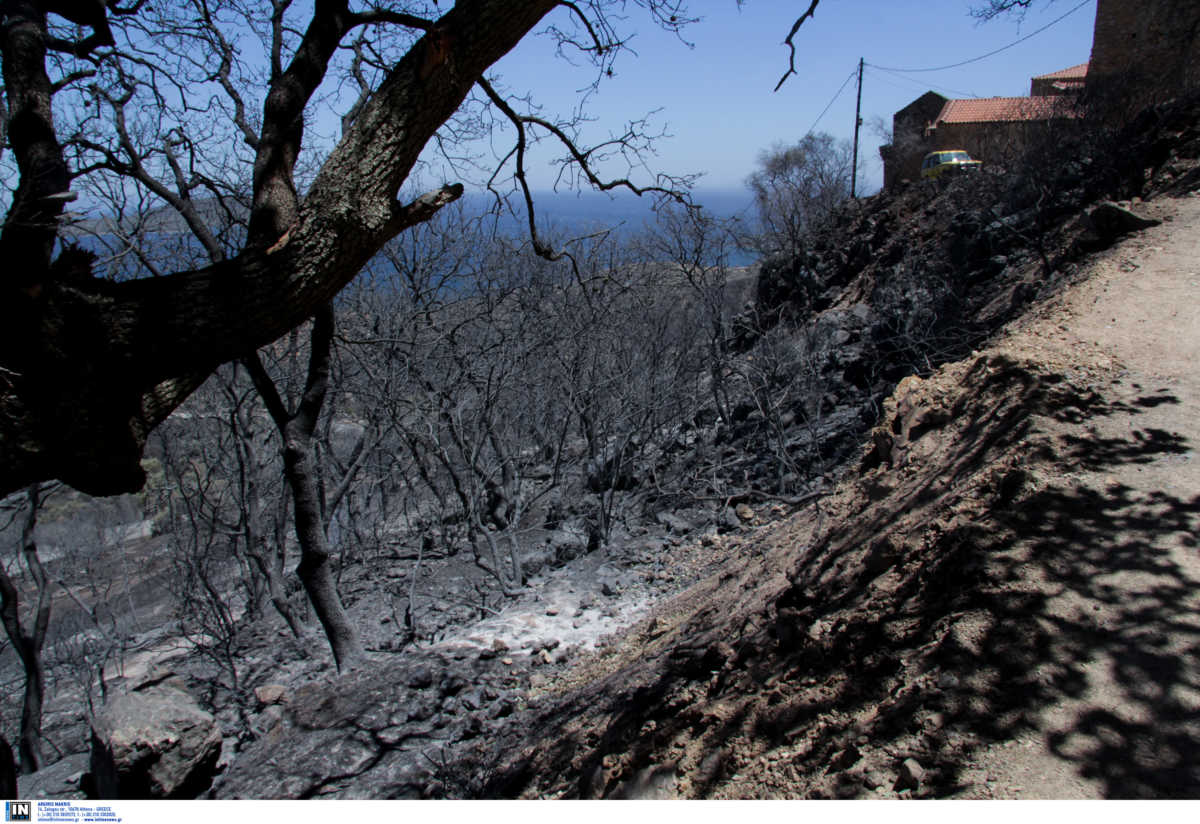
[(1000, 603), (988, 594)]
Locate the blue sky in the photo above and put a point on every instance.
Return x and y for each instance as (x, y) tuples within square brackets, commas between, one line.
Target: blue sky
[(716, 97)]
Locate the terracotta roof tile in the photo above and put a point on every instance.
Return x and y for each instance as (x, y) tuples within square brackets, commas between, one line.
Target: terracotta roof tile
[(1074, 73), (1005, 109)]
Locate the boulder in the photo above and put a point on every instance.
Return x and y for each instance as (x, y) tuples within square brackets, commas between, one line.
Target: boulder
[(157, 743), (569, 542), (911, 775), (538, 558), (269, 694), (675, 523), (62, 780), (655, 783), (1109, 221), (420, 677)]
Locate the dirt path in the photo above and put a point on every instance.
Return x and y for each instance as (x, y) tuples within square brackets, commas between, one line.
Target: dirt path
[(1131, 724)]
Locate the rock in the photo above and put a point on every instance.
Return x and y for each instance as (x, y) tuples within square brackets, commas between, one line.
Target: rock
[(420, 678), (472, 699), (499, 646), (1110, 221), (267, 720), (911, 775), (452, 684), (536, 559), (744, 512), (568, 543), (729, 518), (502, 709), (157, 743), (608, 590), (420, 712), (649, 784), (269, 694), (845, 758), (156, 674), (60, 780), (675, 523)]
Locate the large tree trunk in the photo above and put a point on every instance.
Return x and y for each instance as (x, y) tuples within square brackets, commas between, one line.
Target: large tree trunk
[(88, 368)]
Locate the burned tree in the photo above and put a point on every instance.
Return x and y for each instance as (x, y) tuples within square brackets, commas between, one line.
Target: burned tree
[(167, 116)]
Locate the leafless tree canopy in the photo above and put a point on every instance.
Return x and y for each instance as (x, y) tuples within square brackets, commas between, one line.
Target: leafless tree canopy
[(995, 8), (795, 187), (218, 113)]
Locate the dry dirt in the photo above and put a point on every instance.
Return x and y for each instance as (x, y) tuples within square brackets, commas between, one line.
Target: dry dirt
[(1133, 723), (1002, 602)]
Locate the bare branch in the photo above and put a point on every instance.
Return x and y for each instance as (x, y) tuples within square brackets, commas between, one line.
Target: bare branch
[(789, 41), (995, 8), (579, 156)]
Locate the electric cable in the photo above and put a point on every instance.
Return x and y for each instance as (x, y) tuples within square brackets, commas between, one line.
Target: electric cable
[(838, 94), (989, 54), (917, 84)]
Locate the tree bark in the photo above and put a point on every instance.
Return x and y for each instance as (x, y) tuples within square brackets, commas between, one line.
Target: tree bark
[(315, 568), (29, 643), (88, 368)]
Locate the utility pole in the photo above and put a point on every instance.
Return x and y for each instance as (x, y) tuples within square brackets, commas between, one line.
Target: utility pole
[(857, 125)]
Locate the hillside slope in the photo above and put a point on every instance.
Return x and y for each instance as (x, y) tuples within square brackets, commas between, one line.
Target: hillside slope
[(989, 594), (1001, 601)]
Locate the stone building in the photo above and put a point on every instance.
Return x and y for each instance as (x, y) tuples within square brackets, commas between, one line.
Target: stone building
[(1152, 46), (1142, 52), (1067, 81), (988, 127)]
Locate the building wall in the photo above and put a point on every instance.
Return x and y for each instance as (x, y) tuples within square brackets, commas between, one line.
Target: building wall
[(902, 159), (1153, 45), (1000, 143), (996, 143)]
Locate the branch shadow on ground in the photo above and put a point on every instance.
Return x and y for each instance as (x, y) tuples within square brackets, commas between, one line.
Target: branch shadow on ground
[(958, 605), (1078, 594)]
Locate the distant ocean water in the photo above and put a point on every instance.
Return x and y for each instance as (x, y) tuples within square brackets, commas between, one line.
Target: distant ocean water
[(559, 214), (570, 213)]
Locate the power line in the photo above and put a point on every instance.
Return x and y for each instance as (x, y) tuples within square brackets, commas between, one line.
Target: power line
[(838, 94), (989, 54), (916, 84)]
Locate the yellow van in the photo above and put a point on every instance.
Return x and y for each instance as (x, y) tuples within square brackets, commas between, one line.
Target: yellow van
[(947, 161)]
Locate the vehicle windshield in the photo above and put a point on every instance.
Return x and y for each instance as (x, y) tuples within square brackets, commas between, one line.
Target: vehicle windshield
[(955, 157)]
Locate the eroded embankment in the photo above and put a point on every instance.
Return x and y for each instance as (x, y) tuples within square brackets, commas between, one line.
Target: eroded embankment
[(1001, 601)]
